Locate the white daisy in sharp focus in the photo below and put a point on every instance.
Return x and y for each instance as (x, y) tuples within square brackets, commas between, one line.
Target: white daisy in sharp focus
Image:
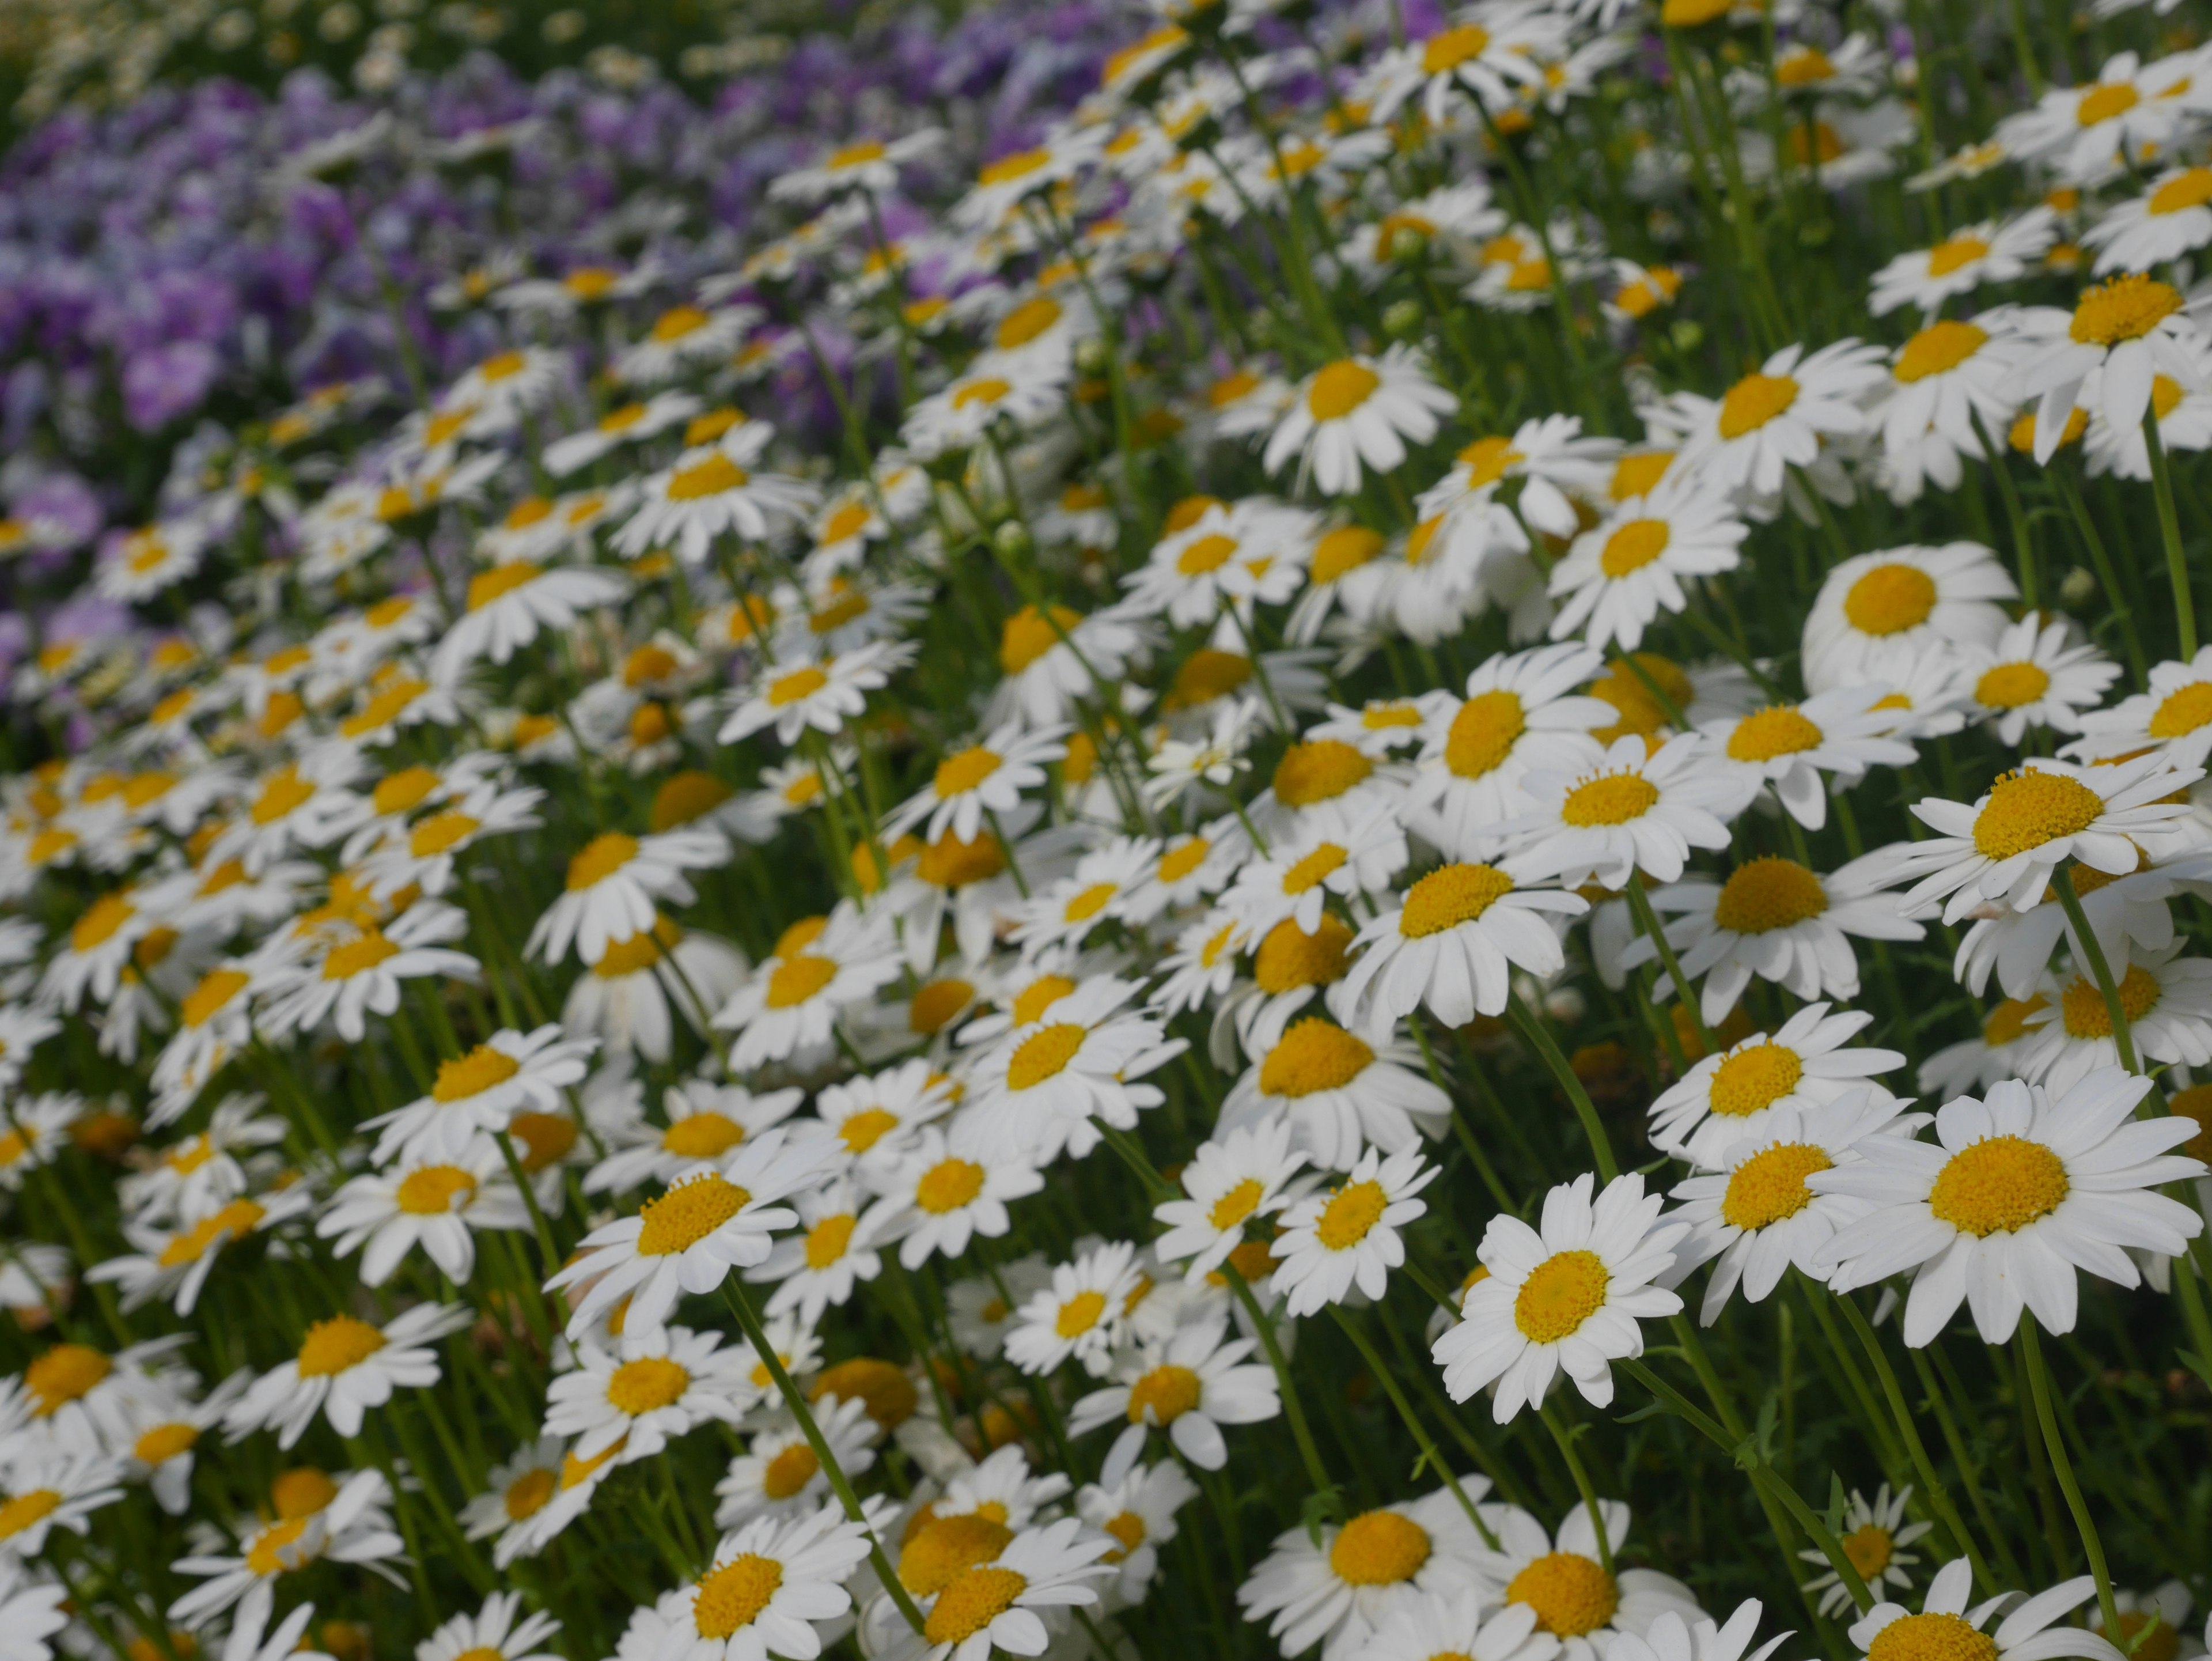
[(1778, 416), (611, 887), (509, 1073), (654, 1388), (2129, 916), (2132, 327), (1347, 1236), (1755, 1214), (1251, 1172), (987, 776), (1950, 1622), (1728, 1096), (773, 1586), (706, 1121), (1337, 1585), (1842, 733), (1451, 946), (1563, 1578), (819, 968), (1339, 1094), (493, 1633), (948, 1191), (2168, 1001), (1777, 920), (1875, 605), (1948, 399), (345, 1366), (1356, 410), (1875, 1537), (1992, 251), (2038, 674), (1616, 578), (2019, 1190), (822, 695), (2168, 222), (509, 603), (438, 1205), (1564, 1297), (1602, 813), (1080, 1316)]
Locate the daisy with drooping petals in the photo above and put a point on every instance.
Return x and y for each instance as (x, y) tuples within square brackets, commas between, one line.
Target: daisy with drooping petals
[(2167, 1002), (509, 603), (1875, 1537), (1993, 251), (1948, 399), (1358, 409), (825, 1262), (705, 1122), (1336, 1586), (1251, 1172), (773, 1586), (1602, 813), (1949, 1621), (345, 1367), (509, 1073), (1563, 1578), (1617, 577), (436, 1204), (52, 1489), (1339, 1094), (2169, 220), (1842, 733), (779, 1474), (713, 491), (492, 1634), (2037, 673), (2020, 1190), (1348, 1236), (1139, 1512), (1452, 944), (1876, 606), (1012, 1603), (2174, 714), (2131, 327), (1451, 1624), (820, 967), (1294, 881), (987, 776), (613, 883), (1046, 1082), (1727, 1096)]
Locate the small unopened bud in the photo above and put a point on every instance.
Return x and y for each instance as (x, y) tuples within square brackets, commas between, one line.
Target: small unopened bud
[(2077, 587), (1402, 319), (1687, 334), (1013, 539), (1408, 244), (1092, 357)]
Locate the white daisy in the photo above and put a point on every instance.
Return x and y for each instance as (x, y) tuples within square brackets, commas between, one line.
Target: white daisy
[(1949, 1617), (1842, 731), (2130, 327), (438, 1205), (1252, 1171), (947, 1191), (1339, 1094), (1452, 945), (1358, 409), (1726, 1097), (1336, 1586), (705, 1122), (1902, 599), (2168, 222), (822, 695), (1564, 1579), (507, 1074), (1188, 1384), (1602, 812), (1991, 251), (1081, 1317), (345, 1366), (1348, 1236), (1139, 1512), (2037, 673), (987, 776), (1875, 1537), (773, 1586), (833, 1252), (820, 967), (1778, 415), (492, 1634), (1616, 578), (613, 882), (2168, 1001), (509, 605), (779, 1474), (656, 1387)]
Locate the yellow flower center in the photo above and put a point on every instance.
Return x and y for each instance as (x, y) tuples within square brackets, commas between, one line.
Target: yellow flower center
[(217, 989), (1633, 546), (1754, 401), (948, 1185), (1781, 729), (1869, 1548), (1314, 869), (1765, 894), (2126, 308), (1206, 553), (732, 1595), (2184, 191), (1379, 1548), (441, 832), (1088, 902), (647, 1384), (1340, 388), (61, 1375), (2002, 1183), (1609, 798), (2012, 686), (1933, 1637), (797, 978), (284, 791), (827, 1240), (2027, 809), (545, 1137), (1940, 347), (2083, 1009), (1290, 958), (687, 1213), (1029, 634), (1572, 1594), (1316, 1054), (789, 1472), (527, 1493), (1079, 1314), (100, 921), (710, 476), (473, 1074), (1560, 1294), (1128, 1527), (1318, 770), (2105, 100), (486, 586), (1446, 51), (957, 775), (270, 1552), (1954, 254), (1483, 734), (24, 1511), (1350, 1216), (976, 1598), (1039, 996), (1044, 1054), (1450, 895), (1344, 548), (164, 1443), (1755, 1079), (2008, 1022), (358, 956), (1771, 1185), (864, 1130), (336, 1346), (239, 1218), (430, 1190), (1230, 1210), (397, 793), (941, 1548), (600, 859), (1026, 322), (702, 1135), (2183, 711)]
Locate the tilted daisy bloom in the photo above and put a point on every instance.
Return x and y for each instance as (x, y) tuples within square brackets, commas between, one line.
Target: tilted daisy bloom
[(711, 492), (1992, 251), (1013, 1602), (1452, 946), (1563, 1578), (681, 335), (1053, 657), (31, 1612), (987, 776), (196, 1174), (779, 1474), (1617, 577), (2033, 1630), (820, 967), (2132, 327), (361, 973), (1251, 1172), (2037, 673), (53, 1489), (1778, 416), (1874, 606), (2020, 1189), (426, 853), (1295, 880), (1339, 1094), (509, 603), (1978, 1063), (689, 1238), (2129, 916), (822, 695), (1336, 1586), (1012, 394), (1443, 1623), (507, 1074), (515, 1490), (1081, 1315), (1757, 1217), (1099, 891), (345, 1367), (214, 1023), (1778, 920), (628, 997), (174, 1263), (317, 1521), (773, 1585), (835, 1250), (1348, 1235), (1602, 813), (438, 1205), (613, 883), (1139, 1512), (1207, 555), (492, 1634), (2172, 219), (655, 1388), (1842, 733), (2183, 415), (1358, 409), (877, 1116), (2167, 999), (2174, 715), (1875, 1537), (625, 423), (1044, 1085), (1728, 1096), (1949, 397), (705, 1122), (948, 1191), (2003, 848)]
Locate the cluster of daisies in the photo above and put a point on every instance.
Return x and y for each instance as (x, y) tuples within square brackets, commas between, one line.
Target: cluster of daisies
[(995, 931)]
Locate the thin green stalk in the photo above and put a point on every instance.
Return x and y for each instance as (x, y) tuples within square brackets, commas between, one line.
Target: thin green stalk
[(1647, 920), (1565, 1439), (2093, 952), (1547, 1049), (2169, 530), (2038, 1383), (1422, 1439)]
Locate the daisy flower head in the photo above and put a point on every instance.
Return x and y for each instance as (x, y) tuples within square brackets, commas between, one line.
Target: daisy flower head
[(507, 605), (773, 1586), (437, 1204), (833, 1252), (1617, 577), (1336, 1586), (875, 1116), (1296, 879), (655, 1386), (515, 1490), (1050, 658), (2174, 715), (2183, 415), (1251, 1172), (693, 1233), (1949, 397), (2167, 999), (1841, 733), (1602, 813), (2020, 1189), (625, 423), (1696, 1637), (345, 1366), (52, 1489), (1451, 1623), (987, 776), (1802, 1063), (1875, 1537), (1355, 410), (2083, 131), (1013, 1601), (1756, 1216), (1564, 1297), (1347, 1236), (820, 966), (1139, 1512), (822, 694), (1340, 1094), (1778, 417), (779, 1474), (1776, 919), (492, 1635), (509, 1073), (712, 491), (1452, 945), (865, 164), (1044, 1085), (1080, 1316), (951, 1189), (1009, 396), (1992, 1055), (1491, 56), (611, 889), (361, 973), (1181, 767), (2132, 327), (1949, 1621), (1099, 891), (2169, 221), (1564, 1579), (705, 1122), (627, 998), (682, 335), (2037, 673), (1992, 251)]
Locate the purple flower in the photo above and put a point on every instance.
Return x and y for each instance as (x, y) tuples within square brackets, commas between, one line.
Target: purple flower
[(167, 382)]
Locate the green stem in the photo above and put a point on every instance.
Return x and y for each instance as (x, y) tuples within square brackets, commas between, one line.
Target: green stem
[(2169, 530), (2038, 1383), (1547, 1049)]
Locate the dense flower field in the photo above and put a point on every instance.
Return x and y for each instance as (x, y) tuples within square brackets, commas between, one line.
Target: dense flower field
[(1258, 829)]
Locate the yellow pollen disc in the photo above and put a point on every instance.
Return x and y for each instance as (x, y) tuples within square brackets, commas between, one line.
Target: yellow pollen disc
[(957, 774), (600, 859), (628, 955), (1316, 1054), (948, 1185), (1869, 1548), (864, 1130), (1888, 599), (1446, 51), (702, 1136), (216, 989), (301, 1492), (285, 791), (1781, 729), (2008, 1022), (1089, 902), (61, 1375), (1572, 1594), (2012, 686), (936, 1005), (687, 1213), (1290, 958), (1163, 1396), (1956, 254), (238, 1217), (163, 1443), (1765, 894), (827, 1240), (1340, 388), (1934, 1637), (1344, 548), (1183, 858), (1318, 770), (943, 1548), (1206, 553), (1079, 1314), (1206, 674), (1020, 165), (2105, 100), (357, 956), (2165, 399), (2183, 711), (1039, 996), (1230, 1210), (1804, 66), (24, 1511), (1770, 1185), (2081, 1006), (687, 798), (1350, 1216), (269, 1553), (731, 1597), (1633, 546), (338, 1345), (1379, 1548), (1608, 799), (1755, 1079), (440, 833), (1483, 734), (1026, 322), (486, 586), (2027, 809), (1939, 347), (398, 793), (988, 390), (2000, 1183), (100, 921), (1450, 895), (2126, 308), (2192, 189), (473, 1074), (800, 935), (973, 1600), (1044, 1056), (647, 1385), (526, 1495), (430, 1190), (789, 1472), (1028, 635), (1560, 1294), (575, 1472), (545, 1138), (799, 684), (1314, 869), (708, 477), (387, 706), (1754, 401), (1128, 1527)]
